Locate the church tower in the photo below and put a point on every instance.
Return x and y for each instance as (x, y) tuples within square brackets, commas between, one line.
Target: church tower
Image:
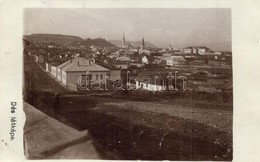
[(123, 40), (143, 45)]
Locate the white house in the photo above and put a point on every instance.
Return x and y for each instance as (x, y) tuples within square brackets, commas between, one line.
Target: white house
[(201, 51), (159, 81), (145, 60), (81, 67), (151, 81)]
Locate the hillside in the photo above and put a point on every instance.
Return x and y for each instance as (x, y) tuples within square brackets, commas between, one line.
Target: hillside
[(118, 43), (55, 38), (99, 42), (67, 40)]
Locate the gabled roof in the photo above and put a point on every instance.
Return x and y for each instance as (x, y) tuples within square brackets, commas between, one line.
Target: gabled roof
[(63, 64), (82, 64), (92, 67), (71, 61)]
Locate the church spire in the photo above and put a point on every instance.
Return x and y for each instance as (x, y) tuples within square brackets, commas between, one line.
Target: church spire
[(143, 44), (123, 40)]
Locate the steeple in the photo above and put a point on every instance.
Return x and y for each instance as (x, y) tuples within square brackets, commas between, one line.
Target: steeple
[(170, 48), (143, 45), (123, 40)]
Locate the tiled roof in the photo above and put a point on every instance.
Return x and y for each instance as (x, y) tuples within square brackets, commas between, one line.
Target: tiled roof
[(92, 67), (63, 64), (71, 61), (82, 64)]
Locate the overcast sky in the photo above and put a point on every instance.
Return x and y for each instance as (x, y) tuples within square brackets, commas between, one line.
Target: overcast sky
[(158, 26)]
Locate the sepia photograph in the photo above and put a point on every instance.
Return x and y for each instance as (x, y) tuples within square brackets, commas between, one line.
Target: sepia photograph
[(128, 83)]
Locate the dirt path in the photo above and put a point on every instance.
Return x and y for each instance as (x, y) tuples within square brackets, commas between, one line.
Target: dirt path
[(41, 80)]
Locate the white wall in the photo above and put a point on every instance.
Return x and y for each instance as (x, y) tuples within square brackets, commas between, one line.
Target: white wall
[(64, 77), (53, 71), (59, 74)]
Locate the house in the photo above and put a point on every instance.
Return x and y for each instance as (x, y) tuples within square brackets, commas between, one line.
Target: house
[(178, 60), (166, 60), (106, 63), (115, 73), (120, 64), (145, 60), (147, 80), (158, 81), (187, 50), (63, 65), (83, 68), (200, 50), (139, 61)]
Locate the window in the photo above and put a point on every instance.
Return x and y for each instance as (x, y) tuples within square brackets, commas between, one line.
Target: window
[(101, 76)]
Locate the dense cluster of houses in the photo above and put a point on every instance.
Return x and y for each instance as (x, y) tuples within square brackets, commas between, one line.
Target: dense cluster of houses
[(99, 63)]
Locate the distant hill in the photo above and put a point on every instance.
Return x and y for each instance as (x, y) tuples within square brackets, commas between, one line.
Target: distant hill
[(135, 44), (68, 40), (55, 38), (220, 46)]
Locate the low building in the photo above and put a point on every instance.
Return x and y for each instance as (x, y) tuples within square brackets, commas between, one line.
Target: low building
[(198, 50), (147, 80), (166, 60), (83, 68), (178, 60), (121, 64), (63, 65), (159, 81), (145, 60)]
